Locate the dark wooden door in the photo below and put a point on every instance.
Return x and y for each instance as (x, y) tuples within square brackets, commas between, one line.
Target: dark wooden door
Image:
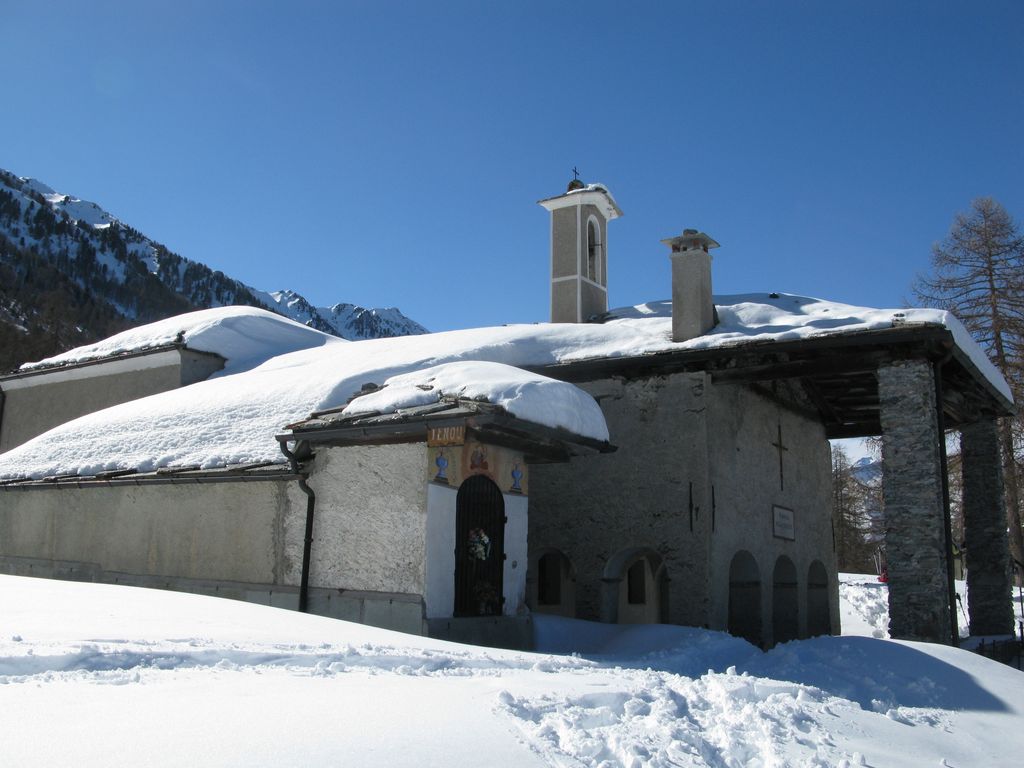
[(479, 548)]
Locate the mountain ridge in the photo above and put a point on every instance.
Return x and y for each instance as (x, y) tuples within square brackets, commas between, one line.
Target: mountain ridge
[(72, 273)]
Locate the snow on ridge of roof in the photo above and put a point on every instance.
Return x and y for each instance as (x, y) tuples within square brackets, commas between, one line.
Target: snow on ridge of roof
[(593, 187), (754, 317), (232, 419), (243, 336), (525, 395)]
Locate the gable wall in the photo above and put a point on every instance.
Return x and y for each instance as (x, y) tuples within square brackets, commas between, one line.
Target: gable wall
[(745, 473), (598, 509)]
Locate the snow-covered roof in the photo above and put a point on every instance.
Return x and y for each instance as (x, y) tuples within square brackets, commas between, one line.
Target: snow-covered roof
[(232, 418), (526, 395), (595, 194), (775, 317), (243, 336)]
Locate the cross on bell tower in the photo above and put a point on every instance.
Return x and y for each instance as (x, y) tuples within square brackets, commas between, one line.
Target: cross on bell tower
[(579, 250)]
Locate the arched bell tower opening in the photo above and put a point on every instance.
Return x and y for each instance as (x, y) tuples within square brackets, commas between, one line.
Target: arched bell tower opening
[(579, 251), (594, 251)]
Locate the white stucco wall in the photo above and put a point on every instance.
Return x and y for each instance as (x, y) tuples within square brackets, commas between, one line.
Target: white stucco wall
[(516, 555), (440, 550), (370, 526)]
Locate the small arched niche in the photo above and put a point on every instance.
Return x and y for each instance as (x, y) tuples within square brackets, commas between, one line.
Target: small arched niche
[(785, 611), (745, 598), (819, 616)]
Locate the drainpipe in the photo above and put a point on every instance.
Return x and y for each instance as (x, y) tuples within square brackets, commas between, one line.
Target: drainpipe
[(307, 545), (948, 519)]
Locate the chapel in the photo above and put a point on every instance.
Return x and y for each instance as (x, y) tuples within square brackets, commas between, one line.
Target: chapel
[(666, 462)]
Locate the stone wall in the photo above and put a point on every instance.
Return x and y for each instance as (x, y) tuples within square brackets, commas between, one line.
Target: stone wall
[(744, 429), (605, 511)]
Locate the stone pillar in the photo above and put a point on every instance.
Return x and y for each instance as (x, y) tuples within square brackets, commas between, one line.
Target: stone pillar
[(986, 546), (915, 542)]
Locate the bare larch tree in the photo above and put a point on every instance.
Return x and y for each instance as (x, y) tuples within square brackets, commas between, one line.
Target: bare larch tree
[(978, 274)]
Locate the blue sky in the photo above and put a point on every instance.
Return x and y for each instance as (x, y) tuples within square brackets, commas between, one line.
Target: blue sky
[(391, 154)]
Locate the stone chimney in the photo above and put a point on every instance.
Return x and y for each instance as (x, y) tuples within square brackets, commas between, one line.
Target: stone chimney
[(693, 311)]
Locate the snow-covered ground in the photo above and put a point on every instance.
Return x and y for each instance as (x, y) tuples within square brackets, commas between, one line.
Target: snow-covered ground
[(96, 675), (864, 606)]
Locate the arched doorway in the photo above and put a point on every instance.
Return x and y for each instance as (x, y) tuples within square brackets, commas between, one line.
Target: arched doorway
[(479, 548), (785, 613), (745, 598), (819, 617), (552, 585)]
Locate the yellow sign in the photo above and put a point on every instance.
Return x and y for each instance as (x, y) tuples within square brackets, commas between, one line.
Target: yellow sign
[(437, 436)]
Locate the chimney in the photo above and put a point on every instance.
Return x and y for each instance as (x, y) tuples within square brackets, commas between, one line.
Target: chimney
[(693, 311)]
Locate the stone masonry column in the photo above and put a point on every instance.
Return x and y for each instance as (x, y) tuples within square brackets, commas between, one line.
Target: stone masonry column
[(915, 542), (987, 549)]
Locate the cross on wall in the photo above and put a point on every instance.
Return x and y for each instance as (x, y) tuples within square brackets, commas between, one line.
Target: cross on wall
[(781, 448)]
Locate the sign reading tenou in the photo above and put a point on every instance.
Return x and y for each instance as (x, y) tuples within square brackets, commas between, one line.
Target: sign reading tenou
[(450, 435)]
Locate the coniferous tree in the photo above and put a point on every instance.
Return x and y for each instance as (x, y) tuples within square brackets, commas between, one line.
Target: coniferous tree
[(978, 274)]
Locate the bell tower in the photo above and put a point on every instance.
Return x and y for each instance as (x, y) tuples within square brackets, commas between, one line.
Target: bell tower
[(579, 250)]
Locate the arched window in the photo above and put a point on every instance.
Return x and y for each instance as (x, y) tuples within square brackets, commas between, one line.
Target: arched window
[(594, 250), (785, 615), (745, 598), (819, 617)]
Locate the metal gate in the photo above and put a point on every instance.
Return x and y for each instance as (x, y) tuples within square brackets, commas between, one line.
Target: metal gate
[(479, 548)]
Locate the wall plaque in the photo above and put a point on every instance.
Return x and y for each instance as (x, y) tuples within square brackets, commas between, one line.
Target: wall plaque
[(452, 435), (783, 523)]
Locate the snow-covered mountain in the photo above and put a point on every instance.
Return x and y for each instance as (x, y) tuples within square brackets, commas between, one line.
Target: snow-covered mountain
[(349, 321), (70, 272), (867, 470)]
